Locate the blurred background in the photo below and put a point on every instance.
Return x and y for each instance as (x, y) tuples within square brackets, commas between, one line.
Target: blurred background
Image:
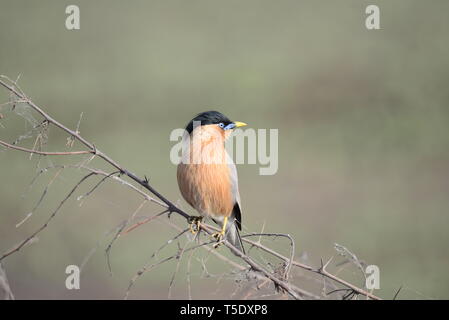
[(363, 121)]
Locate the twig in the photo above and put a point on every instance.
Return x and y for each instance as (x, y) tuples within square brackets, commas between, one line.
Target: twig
[(283, 235), (189, 286), (44, 193), (397, 293), (44, 153), (322, 271), (35, 233), (147, 267), (138, 224), (178, 257), (97, 185)]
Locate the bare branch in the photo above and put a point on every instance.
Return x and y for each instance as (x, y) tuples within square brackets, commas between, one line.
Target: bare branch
[(260, 270), (44, 193), (320, 271), (44, 153)]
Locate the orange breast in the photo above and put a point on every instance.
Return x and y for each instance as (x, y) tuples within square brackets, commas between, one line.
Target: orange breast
[(207, 188)]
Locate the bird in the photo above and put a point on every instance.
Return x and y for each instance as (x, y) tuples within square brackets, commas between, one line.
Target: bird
[(207, 176)]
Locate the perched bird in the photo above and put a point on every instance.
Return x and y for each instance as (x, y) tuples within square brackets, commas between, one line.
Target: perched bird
[(207, 176)]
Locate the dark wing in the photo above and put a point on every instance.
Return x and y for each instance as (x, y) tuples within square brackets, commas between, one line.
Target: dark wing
[(236, 211), (237, 215)]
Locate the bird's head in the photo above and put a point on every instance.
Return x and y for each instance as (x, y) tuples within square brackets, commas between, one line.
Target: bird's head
[(213, 120)]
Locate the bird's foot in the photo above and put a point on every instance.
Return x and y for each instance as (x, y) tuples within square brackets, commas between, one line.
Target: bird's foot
[(195, 224), (219, 237)]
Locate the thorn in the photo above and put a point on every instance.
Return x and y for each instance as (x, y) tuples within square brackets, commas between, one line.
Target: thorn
[(146, 180)]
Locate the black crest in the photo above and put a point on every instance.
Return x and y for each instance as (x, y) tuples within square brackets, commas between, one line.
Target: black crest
[(208, 117)]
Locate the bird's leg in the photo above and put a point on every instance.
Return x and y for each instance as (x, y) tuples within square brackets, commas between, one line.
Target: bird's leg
[(195, 223), (219, 235)]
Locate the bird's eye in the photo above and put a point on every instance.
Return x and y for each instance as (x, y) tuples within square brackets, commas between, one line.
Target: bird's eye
[(221, 125)]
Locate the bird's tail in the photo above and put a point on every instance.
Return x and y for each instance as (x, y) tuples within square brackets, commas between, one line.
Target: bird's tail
[(233, 235)]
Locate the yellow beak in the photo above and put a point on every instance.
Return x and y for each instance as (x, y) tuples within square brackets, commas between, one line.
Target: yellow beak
[(239, 124)]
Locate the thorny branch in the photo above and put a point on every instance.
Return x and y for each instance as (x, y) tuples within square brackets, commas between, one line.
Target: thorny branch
[(259, 271)]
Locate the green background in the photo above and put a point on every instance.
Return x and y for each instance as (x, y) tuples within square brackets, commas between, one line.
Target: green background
[(363, 121)]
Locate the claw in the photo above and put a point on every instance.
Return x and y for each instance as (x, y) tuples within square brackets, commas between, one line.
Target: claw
[(219, 237), (195, 223)]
